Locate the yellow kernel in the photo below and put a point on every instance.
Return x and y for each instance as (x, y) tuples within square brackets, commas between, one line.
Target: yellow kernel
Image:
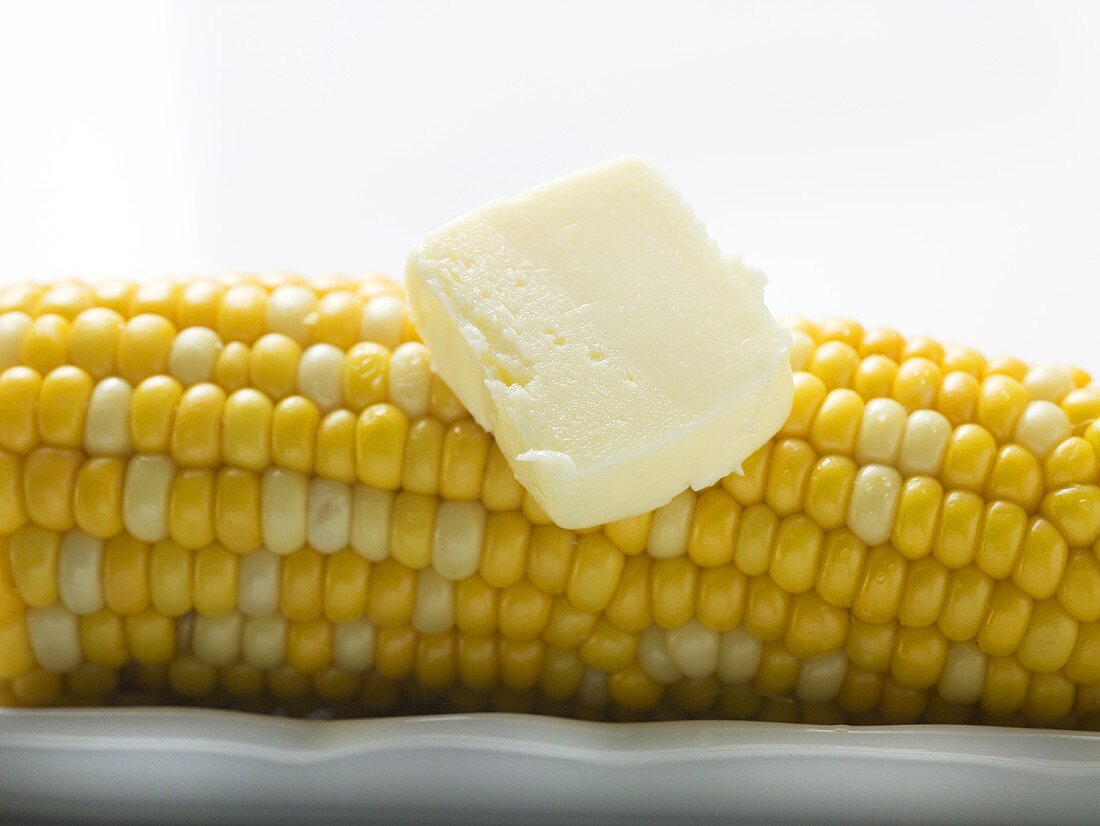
[(672, 584), (969, 459), (925, 593), (919, 657), (144, 344), (629, 607), (198, 304), (499, 489), (870, 645), (798, 548), (766, 609), (960, 527), (1075, 512), (837, 423), (93, 340), (1042, 559), (465, 452), (713, 528), (391, 595), (1079, 590), (191, 508), (49, 478), (346, 586), (1017, 477), (1074, 461), (338, 317), (366, 374), (835, 363), (630, 535), (334, 455), (1006, 621), (842, 561), (301, 592), (747, 487), (412, 525), (809, 393), (380, 437), (964, 360), (816, 627), (152, 408), (214, 583), (875, 377), (19, 388), (524, 611), (918, 515), (196, 429), (1001, 403), (1004, 688), (125, 575), (170, 578), (882, 341), (237, 509), (242, 313), (1002, 537), (880, 591), (597, 564), (968, 595), (97, 496), (62, 400), (33, 557), (273, 364), (841, 329), (246, 430), (917, 383), (792, 462), (1049, 638), (46, 343)]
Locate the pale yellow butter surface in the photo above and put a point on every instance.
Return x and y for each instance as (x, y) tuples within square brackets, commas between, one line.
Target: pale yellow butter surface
[(596, 329)]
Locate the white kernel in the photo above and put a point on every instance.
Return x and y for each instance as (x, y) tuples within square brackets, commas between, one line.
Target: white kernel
[(654, 658), (55, 638), (329, 515), (820, 679), (1048, 383), (1042, 426), (924, 443), (353, 646), (739, 655), (79, 572), (434, 610), (410, 378), (13, 329), (263, 641), (193, 355), (320, 375), (880, 432), (671, 526), (290, 311), (963, 674), (693, 648), (384, 318), (285, 494), (216, 640), (145, 497), (874, 503), (107, 420), (370, 522), (456, 541), (258, 583)]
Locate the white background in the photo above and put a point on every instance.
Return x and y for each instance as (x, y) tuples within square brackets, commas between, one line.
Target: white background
[(934, 166)]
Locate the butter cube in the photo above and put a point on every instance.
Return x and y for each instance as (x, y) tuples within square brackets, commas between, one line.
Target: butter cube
[(596, 329)]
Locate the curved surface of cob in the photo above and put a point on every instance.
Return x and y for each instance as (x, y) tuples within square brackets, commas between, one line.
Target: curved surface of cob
[(253, 492)]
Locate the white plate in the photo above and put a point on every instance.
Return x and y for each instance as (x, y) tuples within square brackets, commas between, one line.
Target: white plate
[(187, 765)]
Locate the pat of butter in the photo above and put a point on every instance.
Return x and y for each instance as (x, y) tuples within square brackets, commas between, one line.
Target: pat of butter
[(596, 329)]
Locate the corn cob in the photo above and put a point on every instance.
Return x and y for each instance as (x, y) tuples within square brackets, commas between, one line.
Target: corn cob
[(253, 492)]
